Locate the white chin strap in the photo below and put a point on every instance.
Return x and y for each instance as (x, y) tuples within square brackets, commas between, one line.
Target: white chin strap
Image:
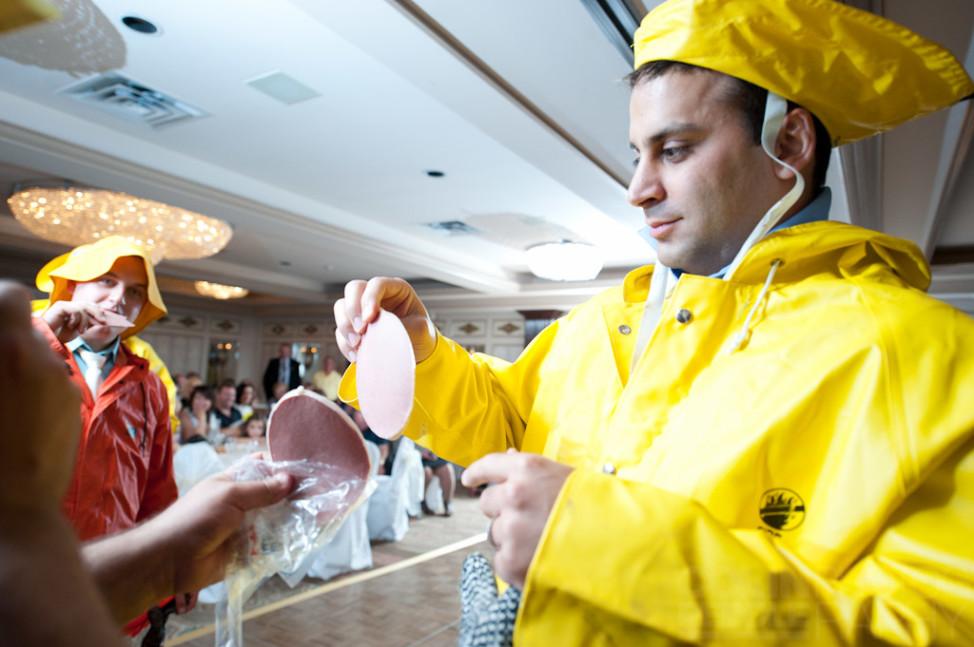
[(663, 282), (774, 115)]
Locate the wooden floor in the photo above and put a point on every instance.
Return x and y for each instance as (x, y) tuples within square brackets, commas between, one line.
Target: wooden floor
[(409, 597)]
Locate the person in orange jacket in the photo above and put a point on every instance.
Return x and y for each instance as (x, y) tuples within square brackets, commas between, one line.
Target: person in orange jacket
[(123, 470), (53, 590)]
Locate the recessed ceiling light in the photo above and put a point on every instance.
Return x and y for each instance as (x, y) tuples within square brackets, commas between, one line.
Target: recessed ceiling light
[(433, 173), (140, 25)]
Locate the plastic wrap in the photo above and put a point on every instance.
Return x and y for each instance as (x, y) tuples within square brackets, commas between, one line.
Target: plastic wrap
[(283, 538)]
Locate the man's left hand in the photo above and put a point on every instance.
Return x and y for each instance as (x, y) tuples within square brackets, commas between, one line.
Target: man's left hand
[(524, 492)]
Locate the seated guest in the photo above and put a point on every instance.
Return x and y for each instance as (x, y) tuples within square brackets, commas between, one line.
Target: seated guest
[(228, 417), (250, 440), (180, 381), (245, 399), (194, 419), (327, 380), (254, 428), (433, 465), (278, 391), (190, 382), (384, 460)]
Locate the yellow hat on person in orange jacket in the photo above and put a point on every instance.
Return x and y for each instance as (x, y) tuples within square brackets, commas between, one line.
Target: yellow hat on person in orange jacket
[(88, 262)]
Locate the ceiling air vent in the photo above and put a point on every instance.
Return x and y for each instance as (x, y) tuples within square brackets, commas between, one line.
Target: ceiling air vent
[(453, 228), (132, 101)]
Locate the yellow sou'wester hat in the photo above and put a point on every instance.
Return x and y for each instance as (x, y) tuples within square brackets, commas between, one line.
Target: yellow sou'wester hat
[(88, 262), (858, 72)]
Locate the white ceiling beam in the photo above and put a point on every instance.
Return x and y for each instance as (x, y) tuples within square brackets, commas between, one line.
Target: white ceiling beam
[(861, 167), (954, 148), (27, 147)]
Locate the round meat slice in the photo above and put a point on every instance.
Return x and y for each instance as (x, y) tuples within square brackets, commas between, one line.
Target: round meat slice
[(308, 426), (116, 320), (385, 375)]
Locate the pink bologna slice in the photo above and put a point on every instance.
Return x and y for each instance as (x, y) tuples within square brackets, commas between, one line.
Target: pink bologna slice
[(308, 426), (115, 320), (385, 375)]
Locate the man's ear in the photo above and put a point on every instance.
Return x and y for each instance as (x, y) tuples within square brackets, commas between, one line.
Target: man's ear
[(796, 143), (70, 286)]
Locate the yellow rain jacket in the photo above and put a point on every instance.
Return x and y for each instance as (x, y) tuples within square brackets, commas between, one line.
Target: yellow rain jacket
[(814, 486), (144, 349)]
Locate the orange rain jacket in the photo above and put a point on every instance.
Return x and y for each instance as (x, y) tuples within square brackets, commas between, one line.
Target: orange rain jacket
[(123, 471)]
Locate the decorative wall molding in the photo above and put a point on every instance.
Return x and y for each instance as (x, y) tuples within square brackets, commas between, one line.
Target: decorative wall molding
[(509, 328), (181, 321), (467, 328), (277, 330), (224, 326)]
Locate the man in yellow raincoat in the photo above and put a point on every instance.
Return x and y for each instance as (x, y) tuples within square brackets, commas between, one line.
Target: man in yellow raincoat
[(766, 438)]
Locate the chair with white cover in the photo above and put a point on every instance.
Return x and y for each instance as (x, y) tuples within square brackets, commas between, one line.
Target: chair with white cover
[(191, 464), (375, 457), (194, 462), (434, 496), (349, 549), (388, 517), (414, 475)]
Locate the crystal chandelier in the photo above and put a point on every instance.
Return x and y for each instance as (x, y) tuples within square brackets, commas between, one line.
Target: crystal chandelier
[(564, 261), (75, 216), (220, 291)]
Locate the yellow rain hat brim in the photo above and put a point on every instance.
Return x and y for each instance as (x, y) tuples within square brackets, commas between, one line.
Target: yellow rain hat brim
[(858, 72), (88, 262)]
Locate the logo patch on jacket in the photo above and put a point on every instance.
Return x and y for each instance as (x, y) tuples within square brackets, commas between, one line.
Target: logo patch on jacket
[(782, 509)]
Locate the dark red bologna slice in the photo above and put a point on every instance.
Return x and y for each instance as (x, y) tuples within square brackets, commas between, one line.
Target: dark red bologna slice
[(308, 426)]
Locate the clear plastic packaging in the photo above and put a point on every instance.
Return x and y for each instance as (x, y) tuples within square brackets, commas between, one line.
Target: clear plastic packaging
[(283, 538)]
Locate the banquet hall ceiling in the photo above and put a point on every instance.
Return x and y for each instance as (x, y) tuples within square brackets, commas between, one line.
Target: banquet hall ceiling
[(311, 127)]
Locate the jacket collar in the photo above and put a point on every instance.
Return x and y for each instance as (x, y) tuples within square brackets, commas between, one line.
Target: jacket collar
[(809, 248)]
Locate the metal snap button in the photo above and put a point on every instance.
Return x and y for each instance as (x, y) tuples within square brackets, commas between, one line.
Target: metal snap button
[(683, 315), (624, 329)]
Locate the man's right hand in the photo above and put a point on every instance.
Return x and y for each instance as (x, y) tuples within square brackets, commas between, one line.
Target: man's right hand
[(68, 319), (361, 306), (186, 547), (201, 526)]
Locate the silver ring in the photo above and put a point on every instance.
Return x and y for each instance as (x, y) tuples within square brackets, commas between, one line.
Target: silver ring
[(490, 538)]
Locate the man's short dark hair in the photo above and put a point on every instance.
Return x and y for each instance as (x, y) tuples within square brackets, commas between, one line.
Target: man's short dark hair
[(750, 101)]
